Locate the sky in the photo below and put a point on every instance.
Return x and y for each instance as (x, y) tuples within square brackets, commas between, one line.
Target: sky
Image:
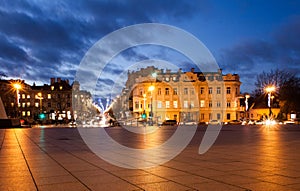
[(44, 39)]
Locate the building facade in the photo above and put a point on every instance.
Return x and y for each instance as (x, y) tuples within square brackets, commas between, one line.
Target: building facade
[(183, 96), (49, 102)]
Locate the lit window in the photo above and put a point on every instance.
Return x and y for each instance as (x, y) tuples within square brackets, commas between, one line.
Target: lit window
[(49, 96), (60, 87), (175, 104), (52, 87), (167, 79), (202, 103), (185, 104), (28, 104), (167, 104), (28, 96), (23, 96), (159, 104), (174, 78), (23, 113), (12, 104), (28, 113), (23, 104), (36, 104)]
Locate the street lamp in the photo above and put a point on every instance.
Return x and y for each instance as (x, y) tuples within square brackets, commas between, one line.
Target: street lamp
[(269, 90), (40, 97), (247, 96), (151, 88), (17, 87)]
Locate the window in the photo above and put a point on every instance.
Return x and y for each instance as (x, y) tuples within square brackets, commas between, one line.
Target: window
[(202, 116), (36, 104), (175, 91), (60, 87), (228, 90), (23, 104), (23, 96), (210, 90), (174, 78), (141, 92), (159, 91), (28, 104), (49, 104), (202, 103), (202, 90), (210, 116), (228, 104), (23, 113), (192, 91), (137, 105), (192, 104), (167, 91), (167, 104), (185, 91), (175, 104), (218, 116), (52, 87), (210, 104), (159, 104), (218, 90), (28, 113), (167, 79), (28, 96), (68, 104), (210, 78), (49, 96), (228, 116), (185, 104), (218, 104)]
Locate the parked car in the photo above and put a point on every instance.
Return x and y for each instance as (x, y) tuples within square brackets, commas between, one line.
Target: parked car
[(235, 122), (214, 122), (170, 122)]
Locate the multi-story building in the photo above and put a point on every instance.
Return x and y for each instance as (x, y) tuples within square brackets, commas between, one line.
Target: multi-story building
[(49, 102), (183, 96)]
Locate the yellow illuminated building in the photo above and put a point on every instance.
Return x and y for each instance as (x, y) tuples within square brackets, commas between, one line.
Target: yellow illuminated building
[(183, 96)]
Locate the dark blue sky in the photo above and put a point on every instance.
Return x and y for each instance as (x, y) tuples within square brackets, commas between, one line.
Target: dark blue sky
[(43, 39)]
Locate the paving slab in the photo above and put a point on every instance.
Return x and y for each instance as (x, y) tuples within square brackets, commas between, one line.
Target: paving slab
[(243, 158)]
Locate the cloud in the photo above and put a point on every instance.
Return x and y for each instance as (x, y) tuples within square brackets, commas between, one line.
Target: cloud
[(252, 56), (38, 36)]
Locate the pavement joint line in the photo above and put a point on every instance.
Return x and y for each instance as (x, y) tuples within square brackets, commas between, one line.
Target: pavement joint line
[(26, 161), (56, 162), (88, 163)]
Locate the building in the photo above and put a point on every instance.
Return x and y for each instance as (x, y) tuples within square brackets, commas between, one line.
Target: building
[(49, 103), (183, 96)]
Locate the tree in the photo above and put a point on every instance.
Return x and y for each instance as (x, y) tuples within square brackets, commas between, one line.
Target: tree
[(287, 90), (2, 75)]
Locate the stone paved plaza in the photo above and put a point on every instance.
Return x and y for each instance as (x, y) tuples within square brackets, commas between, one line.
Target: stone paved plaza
[(243, 158)]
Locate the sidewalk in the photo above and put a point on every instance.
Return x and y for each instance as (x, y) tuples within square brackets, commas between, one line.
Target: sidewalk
[(243, 158)]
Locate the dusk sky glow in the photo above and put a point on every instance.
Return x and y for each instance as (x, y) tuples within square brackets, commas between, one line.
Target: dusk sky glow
[(44, 39)]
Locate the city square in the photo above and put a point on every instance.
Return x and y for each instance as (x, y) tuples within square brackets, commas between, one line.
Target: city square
[(243, 158)]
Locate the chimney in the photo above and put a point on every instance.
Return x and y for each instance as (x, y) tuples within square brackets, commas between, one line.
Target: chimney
[(193, 70), (58, 80), (52, 81), (179, 70), (67, 81), (220, 70)]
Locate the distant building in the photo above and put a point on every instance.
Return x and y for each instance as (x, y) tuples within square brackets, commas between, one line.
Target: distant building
[(54, 101), (183, 96)]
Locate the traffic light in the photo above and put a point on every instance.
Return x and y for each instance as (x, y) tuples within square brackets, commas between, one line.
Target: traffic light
[(144, 116), (42, 116)]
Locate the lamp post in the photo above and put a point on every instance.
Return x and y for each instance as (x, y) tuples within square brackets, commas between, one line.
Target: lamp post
[(151, 88), (247, 96), (17, 87), (269, 90), (40, 97)]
